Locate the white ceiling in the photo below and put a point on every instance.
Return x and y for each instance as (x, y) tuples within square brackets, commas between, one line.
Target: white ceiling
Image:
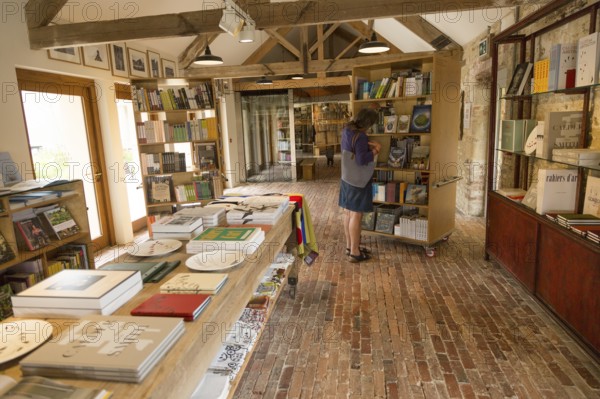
[(462, 27)]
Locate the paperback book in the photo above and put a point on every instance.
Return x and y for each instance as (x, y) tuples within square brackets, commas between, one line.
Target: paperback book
[(61, 222), (556, 191), (519, 79), (588, 59)]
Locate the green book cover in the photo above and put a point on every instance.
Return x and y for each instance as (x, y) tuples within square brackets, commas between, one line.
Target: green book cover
[(238, 234)]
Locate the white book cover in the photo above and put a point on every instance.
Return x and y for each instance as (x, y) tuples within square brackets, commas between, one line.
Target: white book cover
[(177, 224), (106, 347), (554, 66), (198, 283), (568, 61), (561, 130), (591, 201), (556, 190), (78, 288), (588, 58)]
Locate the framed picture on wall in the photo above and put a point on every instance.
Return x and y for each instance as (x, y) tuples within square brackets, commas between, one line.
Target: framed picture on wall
[(96, 56), (138, 63), (154, 63), (119, 62), (169, 68), (68, 54)]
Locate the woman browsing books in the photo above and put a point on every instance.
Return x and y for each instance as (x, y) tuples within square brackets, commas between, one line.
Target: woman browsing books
[(356, 195)]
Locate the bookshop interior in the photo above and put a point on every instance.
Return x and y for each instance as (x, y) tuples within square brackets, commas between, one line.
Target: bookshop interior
[(170, 179)]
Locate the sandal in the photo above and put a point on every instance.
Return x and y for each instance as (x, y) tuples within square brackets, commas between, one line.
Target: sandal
[(358, 258), (362, 250)]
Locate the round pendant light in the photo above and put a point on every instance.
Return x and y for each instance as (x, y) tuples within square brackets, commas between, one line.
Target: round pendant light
[(264, 81), (373, 46), (208, 58)]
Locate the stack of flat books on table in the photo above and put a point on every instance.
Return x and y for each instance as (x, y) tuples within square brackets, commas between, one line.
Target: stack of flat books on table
[(46, 388), (585, 225), (194, 283), (188, 306), (258, 209), (78, 292), (243, 239), (123, 348), (212, 216), (177, 227)]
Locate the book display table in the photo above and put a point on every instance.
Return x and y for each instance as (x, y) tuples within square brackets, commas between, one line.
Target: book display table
[(182, 368)]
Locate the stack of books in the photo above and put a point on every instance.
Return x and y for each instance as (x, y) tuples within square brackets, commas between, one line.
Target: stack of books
[(77, 293), (188, 306), (243, 239), (258, 210), (123, 348), (194, 283), (40, 387), (178, 227), (577, 156), (569, 219), (212, 216)]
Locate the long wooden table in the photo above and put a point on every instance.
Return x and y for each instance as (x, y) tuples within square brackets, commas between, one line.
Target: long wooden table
[(182, 368)]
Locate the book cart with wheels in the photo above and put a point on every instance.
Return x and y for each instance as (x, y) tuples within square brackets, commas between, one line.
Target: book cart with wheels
[(178, 140), (558, 266), (418, 102)]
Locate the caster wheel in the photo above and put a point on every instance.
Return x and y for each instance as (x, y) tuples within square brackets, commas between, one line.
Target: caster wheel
[(430, 252), (292, 291), (446, 238)]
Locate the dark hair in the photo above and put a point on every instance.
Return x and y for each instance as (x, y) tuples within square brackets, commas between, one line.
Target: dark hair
[(365, 118)]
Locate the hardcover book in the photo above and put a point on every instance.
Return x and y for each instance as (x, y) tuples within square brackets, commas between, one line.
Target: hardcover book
[(194, 283), (519, 79), (561, 130), (568, 66), (554, 66), (188, 306), (147, 269), (421, 119), (556, 190), (541, 71), (390, 123), (177, 224), (32, 233), (117, 348), (514, 133), (416, 194), (79, 288), (591, 201), (61, 222), (588, 58), (45, 388), (6, 252)]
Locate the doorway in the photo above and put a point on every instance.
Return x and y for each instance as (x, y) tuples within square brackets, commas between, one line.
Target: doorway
[(63, 129)]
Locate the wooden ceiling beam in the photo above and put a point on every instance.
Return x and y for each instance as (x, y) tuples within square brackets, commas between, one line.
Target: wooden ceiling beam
[(429, 33), (290, 68), (194, 49), (348, 48), (42, 12), (294, 84), (284, 42), (266, 15), (324, 36)]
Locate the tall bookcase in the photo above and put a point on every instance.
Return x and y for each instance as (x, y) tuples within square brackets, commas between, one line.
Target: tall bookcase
[(327, 120), (556, 265), (443, 70), (178, 141)]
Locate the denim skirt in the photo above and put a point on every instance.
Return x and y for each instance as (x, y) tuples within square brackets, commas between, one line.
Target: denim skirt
[(356, 199)]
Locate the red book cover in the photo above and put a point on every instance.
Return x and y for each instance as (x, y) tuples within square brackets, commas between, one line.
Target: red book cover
[(188, 306)]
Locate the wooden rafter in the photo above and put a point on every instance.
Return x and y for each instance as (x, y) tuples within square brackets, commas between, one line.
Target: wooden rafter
[(284, 42), (42, 12), (267, 15), (194, 49), (290, 68), (324, 36), (426, 31), (348, 48), (269, 44), (295, 84)]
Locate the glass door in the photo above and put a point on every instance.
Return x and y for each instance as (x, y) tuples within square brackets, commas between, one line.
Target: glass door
[(64, 139)]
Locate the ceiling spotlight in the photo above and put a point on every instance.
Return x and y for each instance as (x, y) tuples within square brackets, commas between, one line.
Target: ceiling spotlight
[(373, 46), (264, 81), (247, 34), (233, 18), (208, 58), (298, 76)]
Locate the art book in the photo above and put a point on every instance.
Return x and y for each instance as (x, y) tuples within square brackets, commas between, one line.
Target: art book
[(32, 233), (519, 79), (416, 194), (45, 388), (556, 190), (194, 283), (188, 306), (117, 348), (79, 288), (591, 201), (561, 130), (421, 119), (177, 224), (390, 123), (588, 58), (6, 252), (62, 223)]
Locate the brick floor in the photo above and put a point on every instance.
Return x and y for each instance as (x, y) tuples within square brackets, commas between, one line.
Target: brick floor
[(407, 326)]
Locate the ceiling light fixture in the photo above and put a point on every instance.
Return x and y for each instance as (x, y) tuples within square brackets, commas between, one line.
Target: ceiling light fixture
[(264, 81), (373, 46), (233, 19), (208, 58), (247, 34), (298, 76)]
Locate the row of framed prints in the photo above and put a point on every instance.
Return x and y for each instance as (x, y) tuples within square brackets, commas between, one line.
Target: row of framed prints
[(123, 61)]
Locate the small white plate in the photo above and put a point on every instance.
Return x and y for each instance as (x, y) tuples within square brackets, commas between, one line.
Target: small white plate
[(22, 336), (154, 247), (215, 261)]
